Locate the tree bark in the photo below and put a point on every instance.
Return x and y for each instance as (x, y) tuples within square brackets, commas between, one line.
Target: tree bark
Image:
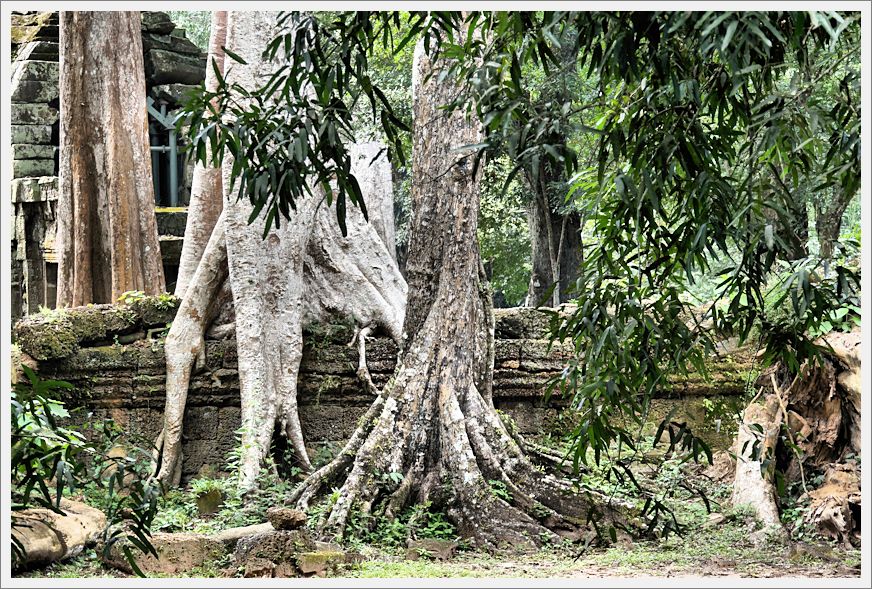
[(555, 239), (206, 192), (107, 234), (433, 428)]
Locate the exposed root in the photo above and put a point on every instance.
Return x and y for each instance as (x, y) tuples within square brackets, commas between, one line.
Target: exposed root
[(185, 346)]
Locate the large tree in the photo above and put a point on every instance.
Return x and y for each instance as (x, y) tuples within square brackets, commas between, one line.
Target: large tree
[(689, 124), (280, 278), (107, 235), (434, 427)]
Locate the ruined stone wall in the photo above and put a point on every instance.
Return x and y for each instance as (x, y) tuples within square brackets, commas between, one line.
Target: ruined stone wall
[(115, 359), (174, 66)]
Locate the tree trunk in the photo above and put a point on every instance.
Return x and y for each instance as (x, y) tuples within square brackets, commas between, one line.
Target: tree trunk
[(433, 434), (828, 221), (305, 271), (757, 441), (555, 239), (107, 235), (206, 193)]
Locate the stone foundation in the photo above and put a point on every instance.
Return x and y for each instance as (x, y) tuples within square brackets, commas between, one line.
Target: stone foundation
[(125, 381)]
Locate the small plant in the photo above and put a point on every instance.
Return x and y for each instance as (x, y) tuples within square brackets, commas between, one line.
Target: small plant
[(131, 296), (500, 490)]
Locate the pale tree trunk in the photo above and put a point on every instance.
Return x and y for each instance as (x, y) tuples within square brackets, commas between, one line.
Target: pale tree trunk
[(304, 272), (185, 346), (433, 428), (206, 192), (756, 442), (107, 235)]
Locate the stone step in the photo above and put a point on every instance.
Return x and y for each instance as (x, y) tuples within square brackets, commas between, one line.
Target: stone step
[(33, 114), (171, 221), (31, 134), (33, 152), (171, 249)]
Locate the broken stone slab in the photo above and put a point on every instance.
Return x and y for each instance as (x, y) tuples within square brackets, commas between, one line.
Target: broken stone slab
[(61, 332), (278, 547), (431, 548), (210, 502), (320, 563), (35, 189), (31, 134), (34, 152), (166, 67), (714, 519), (171, 42), (49, 537), (177, 553), (285, 518), (156, 22), (33, 168)]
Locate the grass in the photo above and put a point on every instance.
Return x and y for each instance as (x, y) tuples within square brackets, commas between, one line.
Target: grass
[(717, 551)]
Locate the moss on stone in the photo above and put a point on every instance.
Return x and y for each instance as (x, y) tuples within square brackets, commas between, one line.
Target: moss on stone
[(155, 310), (47, 336)]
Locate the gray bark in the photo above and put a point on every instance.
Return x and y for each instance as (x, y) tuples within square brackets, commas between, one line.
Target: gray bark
[(434, 424)]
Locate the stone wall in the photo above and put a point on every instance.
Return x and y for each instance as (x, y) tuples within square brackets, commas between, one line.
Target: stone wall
[(174, 66), (114, 357)]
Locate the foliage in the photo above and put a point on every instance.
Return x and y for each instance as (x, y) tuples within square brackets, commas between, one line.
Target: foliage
[(503, 232), (45, 453), (702, 130), (196, 23)]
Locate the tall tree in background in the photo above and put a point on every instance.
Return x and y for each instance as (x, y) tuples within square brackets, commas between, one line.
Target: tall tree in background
[(107, 235), (555, 229), (206, 188)]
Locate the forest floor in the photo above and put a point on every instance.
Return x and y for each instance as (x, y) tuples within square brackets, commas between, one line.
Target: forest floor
[(717, 539), (717, 551)]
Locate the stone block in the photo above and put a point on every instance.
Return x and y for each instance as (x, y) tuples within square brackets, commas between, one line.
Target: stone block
[(33, 168), (33, 114), (157, 22), (173, 42), (171, 249), (35, 189), (177, 553), (34, 91), (174, 93), (171, 221), (31, 134), (39, 50), (167, 67), (33, 152), (285, 518), (36, 70)]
